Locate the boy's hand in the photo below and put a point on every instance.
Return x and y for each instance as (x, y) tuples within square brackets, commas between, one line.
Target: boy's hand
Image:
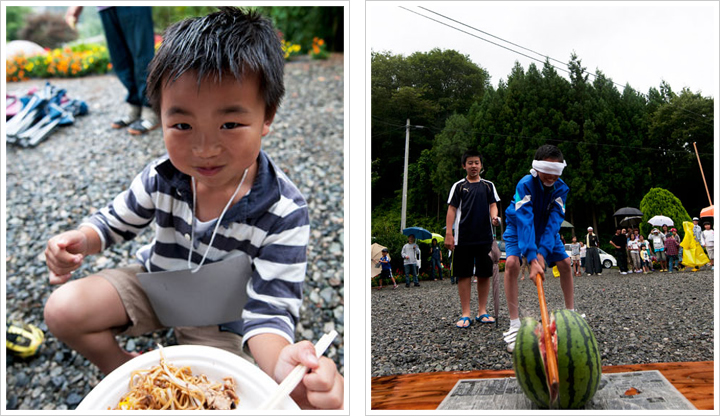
[(64, 254), (449, 242), (537, 266), (322, 387)]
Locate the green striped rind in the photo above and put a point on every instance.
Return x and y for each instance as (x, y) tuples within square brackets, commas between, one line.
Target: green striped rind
[(579, 367), (528, 364)]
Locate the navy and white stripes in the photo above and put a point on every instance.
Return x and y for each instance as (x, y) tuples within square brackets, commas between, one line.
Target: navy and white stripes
[(270, 224)]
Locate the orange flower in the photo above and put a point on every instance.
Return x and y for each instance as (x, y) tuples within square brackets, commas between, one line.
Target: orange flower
[(321, 42)]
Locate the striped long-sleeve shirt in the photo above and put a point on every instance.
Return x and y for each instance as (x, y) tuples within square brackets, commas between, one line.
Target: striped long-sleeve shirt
[(270, 224)]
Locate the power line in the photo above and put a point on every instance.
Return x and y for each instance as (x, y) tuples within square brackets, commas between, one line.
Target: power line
[(530, 57)]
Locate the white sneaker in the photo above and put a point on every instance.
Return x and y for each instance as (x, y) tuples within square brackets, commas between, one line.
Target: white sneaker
[(623, 272), (509, 338)]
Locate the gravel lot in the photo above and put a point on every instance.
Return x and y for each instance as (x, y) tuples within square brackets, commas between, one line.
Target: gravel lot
[(80, 168), (636, 318)]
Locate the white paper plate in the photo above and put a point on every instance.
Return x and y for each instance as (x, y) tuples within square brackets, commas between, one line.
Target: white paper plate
[(253, 386)]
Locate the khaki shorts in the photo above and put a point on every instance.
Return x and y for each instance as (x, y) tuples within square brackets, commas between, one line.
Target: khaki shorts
[(711, 252), (143, 319)]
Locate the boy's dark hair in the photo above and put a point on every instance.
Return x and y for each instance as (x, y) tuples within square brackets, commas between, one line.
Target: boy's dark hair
[(228, 42), (548, 151), (471, 153)]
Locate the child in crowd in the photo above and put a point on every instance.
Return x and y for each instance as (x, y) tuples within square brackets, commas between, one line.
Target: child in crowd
[(216, 83), (671, 251), (386, 270), (575, 255), (410, 254), (533, 224), (708, 241)]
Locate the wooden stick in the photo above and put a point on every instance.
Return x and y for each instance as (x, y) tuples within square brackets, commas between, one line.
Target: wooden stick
[(701, 171), (551, 357), (297, 374)]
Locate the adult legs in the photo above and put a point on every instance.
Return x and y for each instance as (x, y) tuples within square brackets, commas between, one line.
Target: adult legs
[(409, 268), (82, 314), (137, 26)]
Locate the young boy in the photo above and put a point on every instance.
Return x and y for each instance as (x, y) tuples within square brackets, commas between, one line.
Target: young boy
[(575, 256), (472, 212), (216, 83), (533, 224), (708, 241), (386, 271)]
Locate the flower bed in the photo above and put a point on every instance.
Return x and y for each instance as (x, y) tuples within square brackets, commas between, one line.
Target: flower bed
[(68, 62)]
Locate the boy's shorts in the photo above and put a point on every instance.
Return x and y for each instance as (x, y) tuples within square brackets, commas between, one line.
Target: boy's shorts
[(472, 260), (557, 253), (575, 258), (711, 252), (660, 255), (143, 319)]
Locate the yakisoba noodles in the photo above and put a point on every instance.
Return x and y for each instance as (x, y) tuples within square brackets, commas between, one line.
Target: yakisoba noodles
[(166, 387)]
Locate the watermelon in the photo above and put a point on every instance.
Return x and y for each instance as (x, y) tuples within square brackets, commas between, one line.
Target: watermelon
[(578, 359)]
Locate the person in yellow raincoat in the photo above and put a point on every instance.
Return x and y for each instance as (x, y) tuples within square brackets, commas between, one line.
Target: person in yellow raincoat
[(693, 254)]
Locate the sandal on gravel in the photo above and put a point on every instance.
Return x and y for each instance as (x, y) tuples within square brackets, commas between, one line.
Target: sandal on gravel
[(142, 126), (464, 319), (509, 338), (486, 317)]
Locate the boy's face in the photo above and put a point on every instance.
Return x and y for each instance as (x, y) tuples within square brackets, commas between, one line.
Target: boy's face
[(213, 133), (707, 226), (546, 178), (411, 239), (473, 167)]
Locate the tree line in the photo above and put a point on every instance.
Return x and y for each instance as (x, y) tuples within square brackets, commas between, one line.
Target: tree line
[(618, 144)]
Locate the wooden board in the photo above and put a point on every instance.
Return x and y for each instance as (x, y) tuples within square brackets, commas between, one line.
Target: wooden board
[(425, 391)]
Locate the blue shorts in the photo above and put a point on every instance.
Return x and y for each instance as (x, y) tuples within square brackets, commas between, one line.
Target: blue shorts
[(557, 253)]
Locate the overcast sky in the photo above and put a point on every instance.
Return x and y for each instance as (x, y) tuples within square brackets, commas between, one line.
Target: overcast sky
[(640, 43)]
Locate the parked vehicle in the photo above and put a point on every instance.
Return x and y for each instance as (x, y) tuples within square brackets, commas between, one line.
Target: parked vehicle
[(606, 259)]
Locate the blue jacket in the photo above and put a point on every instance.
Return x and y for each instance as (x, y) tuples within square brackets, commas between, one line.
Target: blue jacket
[(534, 209)]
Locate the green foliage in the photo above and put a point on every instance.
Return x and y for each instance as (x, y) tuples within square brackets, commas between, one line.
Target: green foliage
[(48, 30), (14, 20), (659, 201), (426, 88), (302, 24), (164, 16)]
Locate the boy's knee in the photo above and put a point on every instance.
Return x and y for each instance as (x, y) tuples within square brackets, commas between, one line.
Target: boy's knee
[(61, 311)]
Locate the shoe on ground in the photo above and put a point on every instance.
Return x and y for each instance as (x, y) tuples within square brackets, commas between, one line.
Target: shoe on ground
[(623, 272), (133, 114), (417, 284), (142, 126), (407, 285), (509, 338)]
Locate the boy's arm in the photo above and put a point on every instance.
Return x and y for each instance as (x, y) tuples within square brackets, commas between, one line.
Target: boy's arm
[(555, 219), (130, 211), (449, 222), (525, 218)]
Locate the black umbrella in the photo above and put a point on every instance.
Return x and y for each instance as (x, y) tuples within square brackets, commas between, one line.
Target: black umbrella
[(630, 221), (628, 212)]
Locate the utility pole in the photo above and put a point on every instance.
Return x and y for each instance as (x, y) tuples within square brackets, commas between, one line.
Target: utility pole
[(405, 174)]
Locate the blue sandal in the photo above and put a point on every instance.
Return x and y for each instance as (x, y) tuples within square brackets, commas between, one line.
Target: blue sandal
[(466, 319), (485, 316)]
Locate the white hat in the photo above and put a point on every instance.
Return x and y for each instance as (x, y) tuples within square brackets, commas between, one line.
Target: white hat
[(696, 219), (590, 228)]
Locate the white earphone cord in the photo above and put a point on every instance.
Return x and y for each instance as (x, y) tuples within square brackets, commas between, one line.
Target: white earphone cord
[(217, 225)]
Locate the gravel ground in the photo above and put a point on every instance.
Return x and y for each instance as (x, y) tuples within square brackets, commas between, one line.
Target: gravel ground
[(80, 168), (636, 318)]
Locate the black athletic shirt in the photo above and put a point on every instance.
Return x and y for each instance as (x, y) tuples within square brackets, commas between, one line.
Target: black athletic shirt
[(473, 224)]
